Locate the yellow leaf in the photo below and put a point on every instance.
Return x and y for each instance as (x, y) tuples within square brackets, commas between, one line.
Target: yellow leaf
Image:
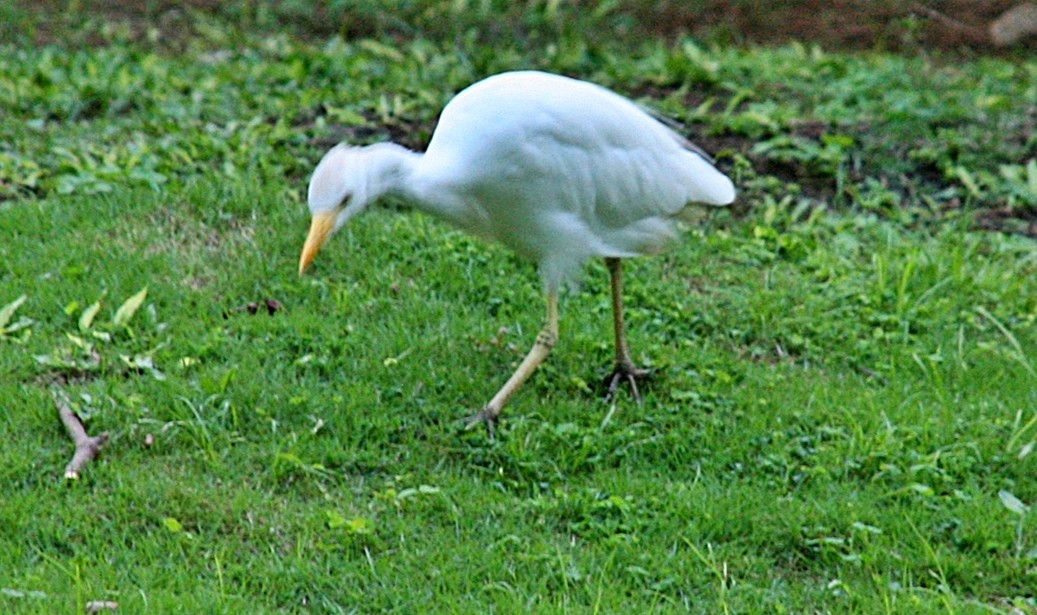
[(7, 312), (129, 308), (87, 317)]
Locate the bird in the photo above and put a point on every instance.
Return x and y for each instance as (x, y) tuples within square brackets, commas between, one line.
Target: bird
[(558, 169)]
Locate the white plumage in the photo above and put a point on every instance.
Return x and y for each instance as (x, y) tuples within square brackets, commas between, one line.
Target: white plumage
[(557, 169)]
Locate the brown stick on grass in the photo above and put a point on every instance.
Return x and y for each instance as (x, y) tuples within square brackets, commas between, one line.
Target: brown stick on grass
[(972, 34), (87, 447)]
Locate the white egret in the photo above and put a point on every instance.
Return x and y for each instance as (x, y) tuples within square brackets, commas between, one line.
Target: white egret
[(557, 169)]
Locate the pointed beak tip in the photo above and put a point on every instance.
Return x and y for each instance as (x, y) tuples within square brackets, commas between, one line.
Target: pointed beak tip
[(320, 228), (305, 260)]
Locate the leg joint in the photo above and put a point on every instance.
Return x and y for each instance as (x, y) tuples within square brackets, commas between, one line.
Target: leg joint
[(547, 339)]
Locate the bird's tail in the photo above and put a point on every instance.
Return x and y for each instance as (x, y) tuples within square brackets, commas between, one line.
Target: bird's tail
[(709, 186)]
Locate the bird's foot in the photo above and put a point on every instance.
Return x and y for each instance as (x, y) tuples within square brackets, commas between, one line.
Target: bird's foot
[(625, 371), (488, 416)]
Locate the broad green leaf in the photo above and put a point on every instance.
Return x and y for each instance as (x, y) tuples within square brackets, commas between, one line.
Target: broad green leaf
[(415, 491), (129, 308), (87, 317), (18, 593), (346, 116), (359, 525), (381, 50), (925, 490), (839, 140), (144, 363), (79, 342), (335, 519), (7, 312), (290, 458), (968, 180), (1012, 503), (173, 525), (356, 525)]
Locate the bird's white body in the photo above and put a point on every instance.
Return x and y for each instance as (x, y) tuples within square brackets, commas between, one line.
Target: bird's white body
[(557, 169)]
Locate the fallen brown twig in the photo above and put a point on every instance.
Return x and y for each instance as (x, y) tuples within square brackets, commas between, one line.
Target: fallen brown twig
[(1011, 27), (87, 447), (971, 33)]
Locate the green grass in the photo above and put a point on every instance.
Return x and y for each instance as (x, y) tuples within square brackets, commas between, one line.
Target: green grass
[(843, 411)]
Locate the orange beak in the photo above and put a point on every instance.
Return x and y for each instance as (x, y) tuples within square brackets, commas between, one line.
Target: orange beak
[(320, 228)]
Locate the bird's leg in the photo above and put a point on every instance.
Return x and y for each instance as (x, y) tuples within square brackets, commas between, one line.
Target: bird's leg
[(541, 348), (625, 368)]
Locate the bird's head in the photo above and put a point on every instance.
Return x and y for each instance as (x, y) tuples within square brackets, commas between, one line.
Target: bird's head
[(345, 182), (339, 189)]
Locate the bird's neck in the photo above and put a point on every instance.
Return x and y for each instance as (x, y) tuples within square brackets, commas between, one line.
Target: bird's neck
[(390, 170), (398, 171)]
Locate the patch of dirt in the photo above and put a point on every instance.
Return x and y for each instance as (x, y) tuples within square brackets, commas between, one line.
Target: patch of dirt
[(63, 377), (411, 133), (1010, 220), (835, 24), (268, 305)]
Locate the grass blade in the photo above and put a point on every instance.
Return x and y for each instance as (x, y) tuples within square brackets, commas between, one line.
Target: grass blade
[(1020, 356)]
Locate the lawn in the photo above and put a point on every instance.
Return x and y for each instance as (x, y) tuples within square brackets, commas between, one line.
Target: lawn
[(842, 417)]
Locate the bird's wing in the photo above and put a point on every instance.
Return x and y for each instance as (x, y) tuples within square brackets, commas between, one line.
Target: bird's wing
[(675, 127), (586, 150), (630, 165)]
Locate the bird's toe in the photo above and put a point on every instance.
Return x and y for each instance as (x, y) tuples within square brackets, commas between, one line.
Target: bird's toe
[(625, 373), (487, 416)]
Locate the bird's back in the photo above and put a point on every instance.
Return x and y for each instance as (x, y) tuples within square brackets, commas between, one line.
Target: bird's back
[(563, 170)]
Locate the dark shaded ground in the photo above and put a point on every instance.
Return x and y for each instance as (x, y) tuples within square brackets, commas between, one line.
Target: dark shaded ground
[(836, 24)]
